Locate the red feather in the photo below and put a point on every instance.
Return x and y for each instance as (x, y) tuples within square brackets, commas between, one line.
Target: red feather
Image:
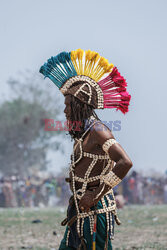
[(114, 91)]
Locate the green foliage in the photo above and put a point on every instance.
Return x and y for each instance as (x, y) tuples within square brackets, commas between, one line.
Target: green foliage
[(23, 140)]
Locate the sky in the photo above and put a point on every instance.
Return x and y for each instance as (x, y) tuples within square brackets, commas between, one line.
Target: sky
[(130, 34)]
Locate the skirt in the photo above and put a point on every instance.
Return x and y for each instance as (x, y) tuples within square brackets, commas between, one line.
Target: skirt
[(104, 228)]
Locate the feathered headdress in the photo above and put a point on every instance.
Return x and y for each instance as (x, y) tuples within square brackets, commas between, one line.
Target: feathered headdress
[(83, 75)]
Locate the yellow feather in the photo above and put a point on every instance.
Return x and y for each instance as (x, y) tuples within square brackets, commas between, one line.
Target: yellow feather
[(87, 61), (110, 67), (91, 56), (80, 57), (97, 56), (73, 55), (74, 58), (88, 53), (94, 66), (80, 53)]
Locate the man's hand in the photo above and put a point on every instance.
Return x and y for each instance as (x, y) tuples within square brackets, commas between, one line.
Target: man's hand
[(87, 201)]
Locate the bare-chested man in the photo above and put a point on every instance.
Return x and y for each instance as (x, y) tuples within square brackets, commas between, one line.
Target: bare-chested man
[(98, 162), (93, 143)]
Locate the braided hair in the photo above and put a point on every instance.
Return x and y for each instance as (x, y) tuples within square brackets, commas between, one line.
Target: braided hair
[(80, 112)]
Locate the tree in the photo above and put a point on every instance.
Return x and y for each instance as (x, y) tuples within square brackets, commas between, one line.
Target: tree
[(23, 140)]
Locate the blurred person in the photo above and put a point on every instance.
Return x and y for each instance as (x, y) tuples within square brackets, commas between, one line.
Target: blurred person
[(92, 174), (120, 201), (44, 193), (165, 192), (140, 189), (131, 185), (14, 188), (2, 196), (8, 193), (125, 189), (147, 190), (160, 191)]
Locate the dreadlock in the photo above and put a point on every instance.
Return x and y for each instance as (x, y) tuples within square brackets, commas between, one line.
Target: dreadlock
[(80, 112)]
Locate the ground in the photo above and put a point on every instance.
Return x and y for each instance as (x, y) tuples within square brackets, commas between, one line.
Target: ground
[(143, 227)]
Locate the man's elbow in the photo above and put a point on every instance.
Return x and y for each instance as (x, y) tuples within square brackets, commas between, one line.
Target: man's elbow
[(128, 163)]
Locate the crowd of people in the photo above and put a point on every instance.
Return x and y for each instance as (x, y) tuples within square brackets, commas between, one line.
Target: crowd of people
[(33, 192), (139, 189), (36, 192)]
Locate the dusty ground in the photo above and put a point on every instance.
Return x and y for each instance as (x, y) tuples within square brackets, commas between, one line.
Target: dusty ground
[(143, 227)]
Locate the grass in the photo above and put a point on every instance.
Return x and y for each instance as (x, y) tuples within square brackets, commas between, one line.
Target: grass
[(143, 227)]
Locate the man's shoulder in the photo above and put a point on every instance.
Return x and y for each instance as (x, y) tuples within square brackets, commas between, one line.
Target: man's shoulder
[(100, 125), (100, 128), (101, 132)]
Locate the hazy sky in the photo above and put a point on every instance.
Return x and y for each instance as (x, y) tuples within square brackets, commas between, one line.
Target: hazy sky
[(129, 33)]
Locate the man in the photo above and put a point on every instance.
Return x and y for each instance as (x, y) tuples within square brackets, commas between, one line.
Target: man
[(92, 175)]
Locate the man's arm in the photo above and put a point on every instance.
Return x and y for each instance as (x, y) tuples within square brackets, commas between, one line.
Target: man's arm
[(106, 140), (115, 151)]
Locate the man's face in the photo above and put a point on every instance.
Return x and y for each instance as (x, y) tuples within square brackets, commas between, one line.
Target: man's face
[(67, 109)]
